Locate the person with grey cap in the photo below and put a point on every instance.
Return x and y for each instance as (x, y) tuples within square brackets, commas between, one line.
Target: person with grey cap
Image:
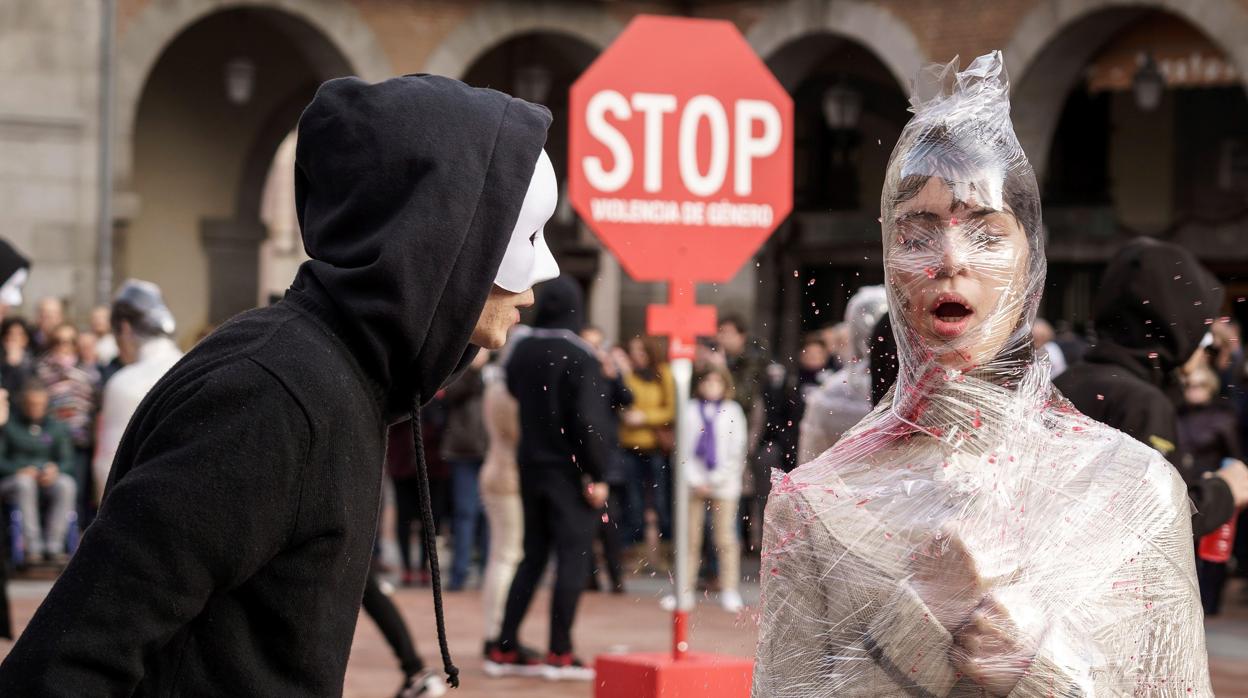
[(144, 329), (845, 397)]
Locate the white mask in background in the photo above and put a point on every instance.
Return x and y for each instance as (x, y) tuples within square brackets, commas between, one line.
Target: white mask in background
[(11, 291), (528, 260)]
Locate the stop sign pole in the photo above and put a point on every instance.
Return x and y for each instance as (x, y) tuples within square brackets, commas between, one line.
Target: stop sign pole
[(681, 161)]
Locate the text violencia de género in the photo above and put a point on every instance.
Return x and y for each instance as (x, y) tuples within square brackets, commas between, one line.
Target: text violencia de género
[(720, 214)]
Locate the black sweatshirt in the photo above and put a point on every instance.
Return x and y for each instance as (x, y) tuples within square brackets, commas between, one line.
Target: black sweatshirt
[(1152, 309), (230, 552), (560, 390)]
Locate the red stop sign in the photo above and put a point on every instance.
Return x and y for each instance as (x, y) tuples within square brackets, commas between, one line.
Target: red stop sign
[(681, 149)]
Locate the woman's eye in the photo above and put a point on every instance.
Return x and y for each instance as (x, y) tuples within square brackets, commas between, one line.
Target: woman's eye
[(913, 243), (982, 236)]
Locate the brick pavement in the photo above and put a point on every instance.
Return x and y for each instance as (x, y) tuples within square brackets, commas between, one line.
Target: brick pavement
[(618, 623)]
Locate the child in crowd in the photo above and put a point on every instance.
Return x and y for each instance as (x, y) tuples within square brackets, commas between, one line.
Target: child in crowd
[(712, 452)]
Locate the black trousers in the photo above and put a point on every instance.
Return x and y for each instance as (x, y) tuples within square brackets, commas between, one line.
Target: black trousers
[(386, 615), (556, 517), (609, 538)]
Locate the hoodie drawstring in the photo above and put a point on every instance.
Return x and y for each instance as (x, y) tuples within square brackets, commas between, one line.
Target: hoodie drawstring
[(431, 545)]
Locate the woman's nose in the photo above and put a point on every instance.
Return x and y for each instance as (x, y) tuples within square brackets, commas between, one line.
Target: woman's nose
[(952, 254)]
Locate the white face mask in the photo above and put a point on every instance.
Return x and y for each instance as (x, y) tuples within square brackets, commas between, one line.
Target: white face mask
[(11, 291), (528, 260)]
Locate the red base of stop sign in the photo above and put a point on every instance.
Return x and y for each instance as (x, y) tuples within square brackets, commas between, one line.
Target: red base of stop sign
[(659, 675)]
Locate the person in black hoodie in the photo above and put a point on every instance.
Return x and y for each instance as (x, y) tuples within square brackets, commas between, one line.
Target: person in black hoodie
[(1154, 306), (232, 545), (563, 451)]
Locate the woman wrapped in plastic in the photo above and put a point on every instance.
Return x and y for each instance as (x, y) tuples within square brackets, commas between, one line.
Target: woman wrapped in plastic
[(974, 534)]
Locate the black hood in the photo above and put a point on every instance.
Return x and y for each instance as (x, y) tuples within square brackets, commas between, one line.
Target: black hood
[(1154, 306), (560, 305), (10, 261), (407, 192)]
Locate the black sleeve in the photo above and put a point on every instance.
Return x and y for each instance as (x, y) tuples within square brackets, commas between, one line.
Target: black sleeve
[(621, 396), (209, 495), (590, 419), (1155, 423), (1215, 505), (1230, 432)]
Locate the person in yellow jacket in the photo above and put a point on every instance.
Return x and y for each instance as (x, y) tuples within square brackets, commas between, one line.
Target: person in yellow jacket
[(646, 436)]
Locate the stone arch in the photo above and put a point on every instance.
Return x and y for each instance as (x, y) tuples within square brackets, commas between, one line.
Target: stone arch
[(496, 21), (877, 29), (1057, 38), (343, 35)]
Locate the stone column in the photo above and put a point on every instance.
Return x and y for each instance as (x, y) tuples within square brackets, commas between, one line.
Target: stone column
[(232, 247)]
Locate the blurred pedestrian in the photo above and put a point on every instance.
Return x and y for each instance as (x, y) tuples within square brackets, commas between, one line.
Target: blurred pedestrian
[(464, 443), (844, 398), (747, 364), (73, 389), (106, 341), (1207, 438), (1073, 344), (557, 382), (404, 474), (647, 437), (500, 497), (619, 398), (1151, 313), (713, 442), (812, 365), (418, 682), (1044, 339), (19, 362), (49, 315), (88, 351), (36, 463), (143, 324), (234, 537), (836, 343)]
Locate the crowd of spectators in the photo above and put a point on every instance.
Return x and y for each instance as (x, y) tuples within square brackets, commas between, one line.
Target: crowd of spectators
[(52, 377)]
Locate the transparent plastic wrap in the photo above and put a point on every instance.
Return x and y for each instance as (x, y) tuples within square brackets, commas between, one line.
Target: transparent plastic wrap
[(975, 535), (844, 398)]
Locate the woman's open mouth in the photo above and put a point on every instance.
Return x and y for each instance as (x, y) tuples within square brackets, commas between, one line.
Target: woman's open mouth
[(951, 314)]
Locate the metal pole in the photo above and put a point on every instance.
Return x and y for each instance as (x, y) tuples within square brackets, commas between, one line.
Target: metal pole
[(104, 229), (682, 373)]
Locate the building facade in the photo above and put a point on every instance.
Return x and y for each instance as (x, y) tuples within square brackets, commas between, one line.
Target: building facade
[(1134, 115)]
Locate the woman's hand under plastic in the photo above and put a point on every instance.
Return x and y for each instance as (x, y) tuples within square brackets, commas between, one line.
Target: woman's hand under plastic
[(947, 579), (997, 644)]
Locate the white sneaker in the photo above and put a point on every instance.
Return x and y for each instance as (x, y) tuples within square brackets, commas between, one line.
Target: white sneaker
[(566, 668), (731, 601), (426, 684), (668, 603)]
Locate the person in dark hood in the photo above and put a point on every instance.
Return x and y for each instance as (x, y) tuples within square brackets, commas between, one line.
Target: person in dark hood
[(564, 431), (1155, 304), (232, 545)]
